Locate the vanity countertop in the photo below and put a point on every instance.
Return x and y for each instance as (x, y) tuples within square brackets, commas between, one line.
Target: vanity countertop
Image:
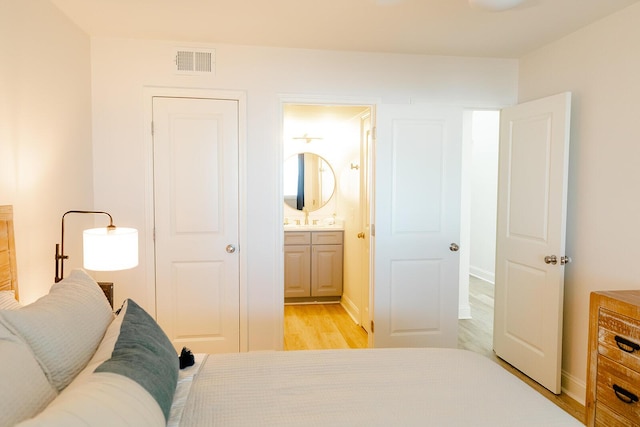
[(316, 227)]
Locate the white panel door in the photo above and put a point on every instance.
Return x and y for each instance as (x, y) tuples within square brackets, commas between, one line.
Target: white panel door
[(532, 194), (195, 158), (417, 223)]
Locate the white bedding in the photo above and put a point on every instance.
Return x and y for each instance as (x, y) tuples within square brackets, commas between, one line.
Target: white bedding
[(381, 387), (185, 381)]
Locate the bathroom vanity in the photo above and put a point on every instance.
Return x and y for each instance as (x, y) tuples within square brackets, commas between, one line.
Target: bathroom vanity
[(313, 259)]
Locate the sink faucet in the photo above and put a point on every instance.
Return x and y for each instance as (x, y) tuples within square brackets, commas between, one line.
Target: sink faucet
[(306, 216)]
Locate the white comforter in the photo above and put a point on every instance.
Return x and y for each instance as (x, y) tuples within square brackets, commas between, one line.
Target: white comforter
[(381, 387)]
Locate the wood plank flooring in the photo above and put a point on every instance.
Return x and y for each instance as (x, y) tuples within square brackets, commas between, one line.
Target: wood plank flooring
[(321, 326), (476, 334), (326, 326)]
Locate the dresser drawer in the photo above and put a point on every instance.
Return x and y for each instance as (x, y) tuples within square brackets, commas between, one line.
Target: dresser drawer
[(618, 388), (605, 417), (326, 237), (619, 338), (297, 237)]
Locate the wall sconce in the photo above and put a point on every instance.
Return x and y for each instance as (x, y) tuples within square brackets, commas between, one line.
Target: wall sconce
[(307, 138), (104, 249), (495, 5)]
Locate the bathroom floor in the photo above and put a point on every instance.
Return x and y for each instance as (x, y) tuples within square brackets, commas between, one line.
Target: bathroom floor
[(321, 327)]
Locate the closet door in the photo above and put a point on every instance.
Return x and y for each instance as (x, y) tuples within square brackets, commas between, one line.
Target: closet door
[(195, 158)]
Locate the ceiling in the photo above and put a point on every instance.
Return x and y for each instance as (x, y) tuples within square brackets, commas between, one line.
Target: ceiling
[(434, 27)]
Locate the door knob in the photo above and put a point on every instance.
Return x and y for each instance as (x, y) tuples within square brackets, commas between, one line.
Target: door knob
[(230, 249), (361, 235), (454, 247), (564, 260), (551, 259)]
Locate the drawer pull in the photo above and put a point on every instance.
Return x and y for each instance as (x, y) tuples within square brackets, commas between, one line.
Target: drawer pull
[(624, 395), (626, 345)]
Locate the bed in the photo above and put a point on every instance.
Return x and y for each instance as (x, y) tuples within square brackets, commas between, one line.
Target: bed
[(82, 365)]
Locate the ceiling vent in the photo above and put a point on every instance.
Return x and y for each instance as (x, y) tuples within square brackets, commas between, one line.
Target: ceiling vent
[(195, 61)]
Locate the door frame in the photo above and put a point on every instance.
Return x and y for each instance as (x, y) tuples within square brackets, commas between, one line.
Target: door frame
[(241, 97), (312, 100)]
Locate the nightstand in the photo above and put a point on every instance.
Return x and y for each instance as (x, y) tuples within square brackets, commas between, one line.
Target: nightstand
[(107, 288), (613, 376)]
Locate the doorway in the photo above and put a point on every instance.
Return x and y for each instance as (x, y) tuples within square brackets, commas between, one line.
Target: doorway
[(304, 129), (339, 136), (478, 229)]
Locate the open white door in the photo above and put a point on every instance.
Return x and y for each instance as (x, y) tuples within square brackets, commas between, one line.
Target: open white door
[(530, 246), (365, 220), (417, 222)]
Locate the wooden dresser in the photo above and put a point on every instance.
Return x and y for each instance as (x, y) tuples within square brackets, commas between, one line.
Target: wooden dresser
[(613, 376)]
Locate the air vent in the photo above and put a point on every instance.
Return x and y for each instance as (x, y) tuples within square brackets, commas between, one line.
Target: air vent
[(194, 61)]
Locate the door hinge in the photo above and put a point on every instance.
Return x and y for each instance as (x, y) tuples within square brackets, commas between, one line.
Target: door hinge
[(374, 133), (152, 128), (373, 230), (372, 328)]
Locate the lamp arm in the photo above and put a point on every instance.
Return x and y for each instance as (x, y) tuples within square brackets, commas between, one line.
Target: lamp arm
[(60, 256)]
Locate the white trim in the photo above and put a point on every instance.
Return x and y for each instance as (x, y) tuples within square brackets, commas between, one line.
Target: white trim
[(574, 387), (241, 97), (352, 310), (487, 276)]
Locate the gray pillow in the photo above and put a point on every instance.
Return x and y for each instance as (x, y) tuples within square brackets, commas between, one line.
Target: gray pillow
[(63, 328), (24, 388), (8, 301)]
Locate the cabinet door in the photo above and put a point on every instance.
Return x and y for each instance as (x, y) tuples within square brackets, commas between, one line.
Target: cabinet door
[(297, 267), (326, 270)]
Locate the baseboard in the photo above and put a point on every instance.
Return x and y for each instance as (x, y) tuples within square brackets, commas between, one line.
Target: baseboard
[(574, 388), (351, 309), (487, 276)]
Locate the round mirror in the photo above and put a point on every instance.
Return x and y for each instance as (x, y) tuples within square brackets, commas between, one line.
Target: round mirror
[(309, 181)]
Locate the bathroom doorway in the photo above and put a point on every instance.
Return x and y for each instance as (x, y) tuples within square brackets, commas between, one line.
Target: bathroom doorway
[(338, 139)]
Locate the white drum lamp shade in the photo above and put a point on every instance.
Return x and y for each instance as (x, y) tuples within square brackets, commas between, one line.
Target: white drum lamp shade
[(112, 249)]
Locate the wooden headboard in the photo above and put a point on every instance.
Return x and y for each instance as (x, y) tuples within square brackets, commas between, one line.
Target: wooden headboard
[(8, 269)]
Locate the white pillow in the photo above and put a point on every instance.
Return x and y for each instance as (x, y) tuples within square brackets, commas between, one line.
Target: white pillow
[(24, 388), (8, 301), (63, 328), (101, 399)]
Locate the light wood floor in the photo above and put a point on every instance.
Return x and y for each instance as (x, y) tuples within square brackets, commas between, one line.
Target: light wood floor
[(326, 326), (476, 334), (321, 326)]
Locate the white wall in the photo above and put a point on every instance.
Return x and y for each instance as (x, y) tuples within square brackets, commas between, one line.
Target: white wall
[(484, 193), (123, 68), (600, 65), (45, 135)]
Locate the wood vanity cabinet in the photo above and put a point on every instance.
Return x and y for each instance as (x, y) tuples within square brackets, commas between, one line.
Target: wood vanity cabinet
[(613, 376), (313, 264)]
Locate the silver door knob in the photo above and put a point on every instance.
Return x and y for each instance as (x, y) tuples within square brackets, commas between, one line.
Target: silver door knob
[(230, 249), (454, 247), (551, 259), (564, 260)]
